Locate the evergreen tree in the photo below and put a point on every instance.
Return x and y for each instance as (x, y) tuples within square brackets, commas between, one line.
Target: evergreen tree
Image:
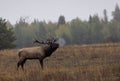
[(90, 19), (6, 35), (105, 16), (61, 20), (116, 13), (20, 32)]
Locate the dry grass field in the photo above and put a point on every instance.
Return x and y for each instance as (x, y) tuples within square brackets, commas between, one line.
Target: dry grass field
[(70, 63)]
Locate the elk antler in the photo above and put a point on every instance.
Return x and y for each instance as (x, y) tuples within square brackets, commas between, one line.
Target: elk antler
[(40, 42), (47, 41)]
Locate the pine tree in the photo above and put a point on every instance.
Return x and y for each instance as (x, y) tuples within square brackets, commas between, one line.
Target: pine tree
[(6, 35), (105, 16), (61, 20), (116, 13)]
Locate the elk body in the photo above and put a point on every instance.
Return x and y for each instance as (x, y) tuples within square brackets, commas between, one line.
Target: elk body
[(39, 52)]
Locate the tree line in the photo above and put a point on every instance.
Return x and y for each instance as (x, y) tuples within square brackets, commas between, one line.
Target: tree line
[(95, 30)]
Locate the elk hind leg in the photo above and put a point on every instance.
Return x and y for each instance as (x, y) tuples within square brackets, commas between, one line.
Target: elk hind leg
[(21, 63), (41, 63)]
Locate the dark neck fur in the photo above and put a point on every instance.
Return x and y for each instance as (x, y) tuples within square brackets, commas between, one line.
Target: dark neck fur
[(50, 49)]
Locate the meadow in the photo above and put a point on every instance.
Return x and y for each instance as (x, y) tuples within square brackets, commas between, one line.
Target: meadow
[(99, 62)]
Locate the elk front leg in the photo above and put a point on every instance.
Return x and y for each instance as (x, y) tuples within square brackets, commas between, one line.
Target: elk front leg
[(22, 65)]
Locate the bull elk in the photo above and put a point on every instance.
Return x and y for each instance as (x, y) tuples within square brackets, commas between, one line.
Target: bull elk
[(38, 52)]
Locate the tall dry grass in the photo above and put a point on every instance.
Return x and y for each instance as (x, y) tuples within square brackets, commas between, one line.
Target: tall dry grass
[(70, 63)]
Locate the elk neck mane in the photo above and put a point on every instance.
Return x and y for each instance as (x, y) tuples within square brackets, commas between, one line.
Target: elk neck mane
[(50, 49)]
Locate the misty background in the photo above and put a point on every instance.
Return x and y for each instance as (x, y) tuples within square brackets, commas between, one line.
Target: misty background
[(74, 22), (50, 10)]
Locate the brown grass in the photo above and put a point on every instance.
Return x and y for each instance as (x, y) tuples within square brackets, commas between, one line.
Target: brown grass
[(71, 63)]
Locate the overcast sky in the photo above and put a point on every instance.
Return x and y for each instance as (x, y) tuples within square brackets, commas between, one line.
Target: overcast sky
[(50, 10)]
